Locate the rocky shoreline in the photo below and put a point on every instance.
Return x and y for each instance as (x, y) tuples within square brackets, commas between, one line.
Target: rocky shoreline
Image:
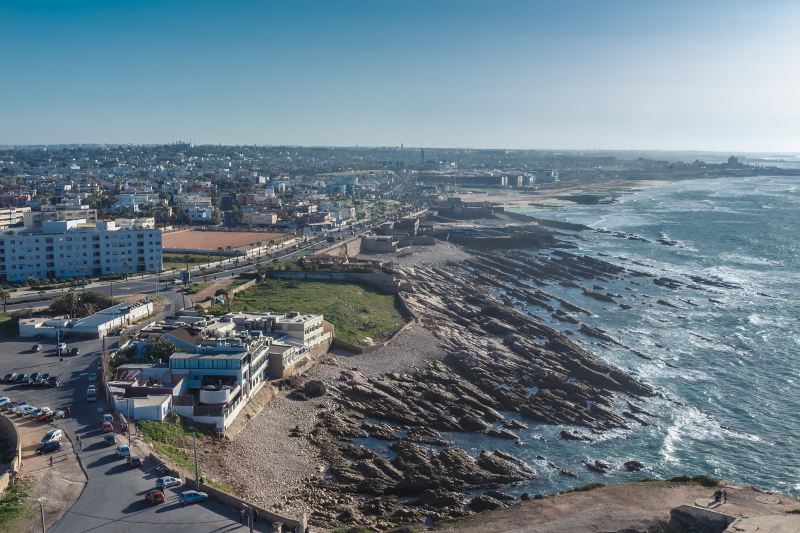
[(381, 437)]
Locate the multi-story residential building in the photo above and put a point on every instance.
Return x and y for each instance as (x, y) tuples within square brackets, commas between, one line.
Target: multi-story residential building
[(132, 201), (12, 215), (59, 212), (75, 248), (259, 219), (200, 213)]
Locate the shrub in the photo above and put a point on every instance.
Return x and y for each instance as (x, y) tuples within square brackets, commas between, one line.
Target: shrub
[(706, 481)]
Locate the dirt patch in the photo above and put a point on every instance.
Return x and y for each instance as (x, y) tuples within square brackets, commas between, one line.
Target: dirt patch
[(212, 240), (60, 482), (621, 507)]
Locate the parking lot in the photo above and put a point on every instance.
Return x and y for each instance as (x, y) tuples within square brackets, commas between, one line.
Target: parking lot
[(113, 497)]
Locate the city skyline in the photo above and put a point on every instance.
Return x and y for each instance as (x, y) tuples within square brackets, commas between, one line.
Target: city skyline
[(516, 75)]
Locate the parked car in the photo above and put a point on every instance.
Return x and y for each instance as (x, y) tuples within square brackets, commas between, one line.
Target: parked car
[(107, 427), (48, 447), (134, 461), (192, 496), (74, 351), (108, 417), (44, 416), (4, 400), (167, 482), (25, 410), (91, 394), (8, 378), (22, 377), (53, 434), (37, 348), (155, 496), (59, 413), (92, 377), (123, 450), (40, 411), (110, 439), (61, 348), (26, 381), (35, 376), (53, 381)]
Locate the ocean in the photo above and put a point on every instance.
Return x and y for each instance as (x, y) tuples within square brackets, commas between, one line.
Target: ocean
[(724, 360)]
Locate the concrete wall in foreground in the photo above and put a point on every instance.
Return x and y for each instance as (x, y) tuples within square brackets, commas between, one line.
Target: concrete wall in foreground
[(8, 432)]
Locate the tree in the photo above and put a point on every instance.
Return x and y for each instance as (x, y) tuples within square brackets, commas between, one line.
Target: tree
[(79, 305), (4, 294), (159, 349), (126, 264)]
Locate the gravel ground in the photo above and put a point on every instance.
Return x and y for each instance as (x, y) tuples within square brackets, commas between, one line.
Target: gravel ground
[(264, 463), (439, 254)]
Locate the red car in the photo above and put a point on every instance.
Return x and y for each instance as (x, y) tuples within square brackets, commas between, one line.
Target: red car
[(155, 496), (108, 427)]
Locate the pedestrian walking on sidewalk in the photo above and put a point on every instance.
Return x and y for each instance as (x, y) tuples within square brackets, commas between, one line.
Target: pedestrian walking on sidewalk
[(80, 443)]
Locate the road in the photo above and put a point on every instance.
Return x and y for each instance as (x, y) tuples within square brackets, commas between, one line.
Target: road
[(113, 500)]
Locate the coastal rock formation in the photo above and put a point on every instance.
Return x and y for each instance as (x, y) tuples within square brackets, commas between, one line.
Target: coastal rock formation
[(501, 366)]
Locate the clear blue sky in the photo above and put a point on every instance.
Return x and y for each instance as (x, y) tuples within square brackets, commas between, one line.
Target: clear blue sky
[(714, 75)]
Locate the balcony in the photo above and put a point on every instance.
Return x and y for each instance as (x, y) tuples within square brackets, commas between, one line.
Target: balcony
[(211, 394)]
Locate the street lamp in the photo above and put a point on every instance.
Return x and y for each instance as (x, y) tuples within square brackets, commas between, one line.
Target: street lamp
[(40, 500)]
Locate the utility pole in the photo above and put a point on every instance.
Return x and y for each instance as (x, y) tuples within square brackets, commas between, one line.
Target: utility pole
[(196, 475), (41, 501)]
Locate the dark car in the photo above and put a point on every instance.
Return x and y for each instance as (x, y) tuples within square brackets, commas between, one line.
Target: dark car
[(35, 376), (75, 351), (48, 447), (22, 377), (134, 461), (8, 378), (25, 380), (53, 381)]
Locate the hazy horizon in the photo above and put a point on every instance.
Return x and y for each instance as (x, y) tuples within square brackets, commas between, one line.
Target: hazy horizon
[(707, 76)]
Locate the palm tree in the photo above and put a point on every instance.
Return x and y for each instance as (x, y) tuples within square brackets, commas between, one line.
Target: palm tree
[(4, 294)]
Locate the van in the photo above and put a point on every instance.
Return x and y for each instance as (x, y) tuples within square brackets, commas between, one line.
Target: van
[(52, 435)]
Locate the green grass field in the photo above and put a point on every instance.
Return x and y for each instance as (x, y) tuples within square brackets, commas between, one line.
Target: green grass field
[(358, 313), (173, 441), (179, 261)]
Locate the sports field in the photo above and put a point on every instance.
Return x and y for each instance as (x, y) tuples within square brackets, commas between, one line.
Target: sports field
[(211, 240)]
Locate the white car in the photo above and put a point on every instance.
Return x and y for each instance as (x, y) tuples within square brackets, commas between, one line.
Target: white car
[(62, 347), (4, 400), (123, 450), (53, 434), (25, 410)]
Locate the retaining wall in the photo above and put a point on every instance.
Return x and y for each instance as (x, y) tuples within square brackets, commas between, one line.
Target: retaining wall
[(347, 248), (8, 432), (377, 280)]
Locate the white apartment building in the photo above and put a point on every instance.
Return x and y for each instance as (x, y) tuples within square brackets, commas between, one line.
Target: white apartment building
[(75, 248), (132, 201), (200, 212)]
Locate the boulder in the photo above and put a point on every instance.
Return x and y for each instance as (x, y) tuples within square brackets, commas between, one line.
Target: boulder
[(484, 503), (314, 388), (439, 498)]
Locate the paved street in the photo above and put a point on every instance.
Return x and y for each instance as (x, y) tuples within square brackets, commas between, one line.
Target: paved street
[(113, 499)]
